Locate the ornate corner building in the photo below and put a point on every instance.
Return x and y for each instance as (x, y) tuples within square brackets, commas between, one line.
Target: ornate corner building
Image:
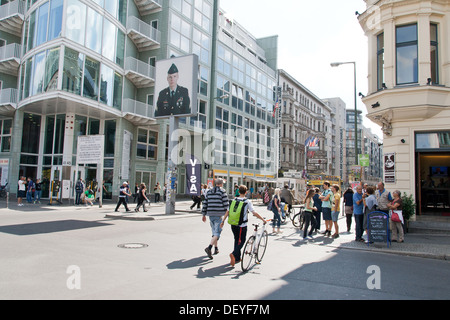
[(409, 95)]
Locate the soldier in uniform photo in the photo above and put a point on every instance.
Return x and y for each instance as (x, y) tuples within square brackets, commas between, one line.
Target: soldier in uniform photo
[(173, 100)]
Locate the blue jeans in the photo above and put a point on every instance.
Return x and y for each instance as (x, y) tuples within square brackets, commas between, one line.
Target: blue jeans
[(276, 218), (29, 196), (215, 226), (37, 195)]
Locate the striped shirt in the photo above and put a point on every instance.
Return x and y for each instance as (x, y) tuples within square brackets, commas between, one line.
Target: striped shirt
[(216, 203)]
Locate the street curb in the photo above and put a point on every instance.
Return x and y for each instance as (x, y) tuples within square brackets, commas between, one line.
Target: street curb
[(129, 217), (397, 252)]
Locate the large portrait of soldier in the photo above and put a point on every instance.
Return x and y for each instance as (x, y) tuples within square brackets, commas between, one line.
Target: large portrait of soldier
[(176, 87)]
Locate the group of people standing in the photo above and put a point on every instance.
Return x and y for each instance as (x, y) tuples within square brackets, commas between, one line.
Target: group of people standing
[(367, 199), (326, 205), (28, 189)]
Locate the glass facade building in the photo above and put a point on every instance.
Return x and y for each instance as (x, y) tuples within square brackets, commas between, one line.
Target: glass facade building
[(71, 68)]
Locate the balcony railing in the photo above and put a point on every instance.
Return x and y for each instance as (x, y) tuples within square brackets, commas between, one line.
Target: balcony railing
[(144, 36), (146, 7), (12, 16), (10, 58), (8, 101), (140, 73), (137, 112)]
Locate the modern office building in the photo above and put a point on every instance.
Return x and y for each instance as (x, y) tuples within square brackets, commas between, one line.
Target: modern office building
[(369, 144), (303, 116), (71, 68), (409, 96), (338, 134), (243, 105)]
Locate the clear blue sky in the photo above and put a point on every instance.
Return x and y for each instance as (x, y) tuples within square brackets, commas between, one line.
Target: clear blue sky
[(311, 35)]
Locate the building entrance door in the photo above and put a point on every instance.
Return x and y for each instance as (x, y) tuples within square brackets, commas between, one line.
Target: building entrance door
[(91, 178), (55, 182), (433, 187)]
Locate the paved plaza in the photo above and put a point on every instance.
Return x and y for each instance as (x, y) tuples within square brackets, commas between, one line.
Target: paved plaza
[(63, 252)]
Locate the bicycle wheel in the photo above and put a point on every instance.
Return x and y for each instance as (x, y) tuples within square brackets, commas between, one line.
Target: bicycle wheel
[(292, 214), (262, 246), (302, 219), (299, 220), (247, 254)]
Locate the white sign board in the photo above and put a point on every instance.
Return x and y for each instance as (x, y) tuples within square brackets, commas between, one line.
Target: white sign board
[(90, 149)]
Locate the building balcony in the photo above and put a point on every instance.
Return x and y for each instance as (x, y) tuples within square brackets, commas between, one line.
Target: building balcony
[(147, 7), (10, 59), (144, 36), (8, 102), (138, 113), (140, 73), (12, 17)]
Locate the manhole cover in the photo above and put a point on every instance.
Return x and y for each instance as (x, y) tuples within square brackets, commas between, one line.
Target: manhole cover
[(133, 246)]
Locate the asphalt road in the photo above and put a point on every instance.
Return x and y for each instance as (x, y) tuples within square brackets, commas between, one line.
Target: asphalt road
[(67, 253)]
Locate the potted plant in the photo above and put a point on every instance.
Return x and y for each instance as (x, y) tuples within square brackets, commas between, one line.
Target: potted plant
[(409, 209)]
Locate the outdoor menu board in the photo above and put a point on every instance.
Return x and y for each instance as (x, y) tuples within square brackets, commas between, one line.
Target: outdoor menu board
[(378, 227)]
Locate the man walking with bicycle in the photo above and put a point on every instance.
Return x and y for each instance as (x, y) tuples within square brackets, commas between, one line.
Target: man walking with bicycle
[(238, 218)]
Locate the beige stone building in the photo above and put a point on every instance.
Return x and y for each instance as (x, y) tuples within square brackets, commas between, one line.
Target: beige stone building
[(409, 96)]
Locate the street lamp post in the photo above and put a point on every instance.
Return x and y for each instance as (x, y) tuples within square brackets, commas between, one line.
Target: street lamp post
[(337, 64)]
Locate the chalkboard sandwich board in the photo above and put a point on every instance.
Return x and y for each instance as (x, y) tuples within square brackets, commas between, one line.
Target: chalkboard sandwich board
[(378, 227)]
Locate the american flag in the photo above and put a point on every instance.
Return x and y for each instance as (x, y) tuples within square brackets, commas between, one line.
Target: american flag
[(277, 105)]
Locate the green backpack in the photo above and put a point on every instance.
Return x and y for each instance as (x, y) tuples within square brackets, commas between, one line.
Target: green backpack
[(237, 212)]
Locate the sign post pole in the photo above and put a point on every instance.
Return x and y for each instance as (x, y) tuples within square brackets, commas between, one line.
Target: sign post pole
[(172, 167)]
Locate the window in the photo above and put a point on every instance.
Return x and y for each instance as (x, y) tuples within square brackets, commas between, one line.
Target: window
[(94, 26), (380, 61), (41, 29), (51, 70), (109, 40), (55, 23), (75, 21), (147, 146), (91, 79), (73, 71), (31, 133), (434, 53), (110, 138), (180, 33), (407, 54), (106, 85), (6, 132)]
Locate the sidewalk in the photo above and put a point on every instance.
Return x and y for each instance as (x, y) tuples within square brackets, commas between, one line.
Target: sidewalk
[(434, 246)]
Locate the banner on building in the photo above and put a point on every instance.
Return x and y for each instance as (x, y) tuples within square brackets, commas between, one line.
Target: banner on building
[(176, 86), (193, 176), (389, 168)]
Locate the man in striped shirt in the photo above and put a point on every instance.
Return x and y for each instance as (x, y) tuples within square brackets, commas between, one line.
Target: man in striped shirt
[(215, 207)]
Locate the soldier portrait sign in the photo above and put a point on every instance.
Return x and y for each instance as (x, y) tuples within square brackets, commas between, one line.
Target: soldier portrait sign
[(176, 87)]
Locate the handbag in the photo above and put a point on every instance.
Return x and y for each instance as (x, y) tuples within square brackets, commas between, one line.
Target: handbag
[(270, 206), (395, 217)]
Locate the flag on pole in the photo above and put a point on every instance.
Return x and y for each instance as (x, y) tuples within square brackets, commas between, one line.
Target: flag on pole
[(277, 105)]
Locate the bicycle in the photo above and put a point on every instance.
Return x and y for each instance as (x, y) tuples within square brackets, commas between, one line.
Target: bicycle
[(299, 219), (255, 247), (3, 192)]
